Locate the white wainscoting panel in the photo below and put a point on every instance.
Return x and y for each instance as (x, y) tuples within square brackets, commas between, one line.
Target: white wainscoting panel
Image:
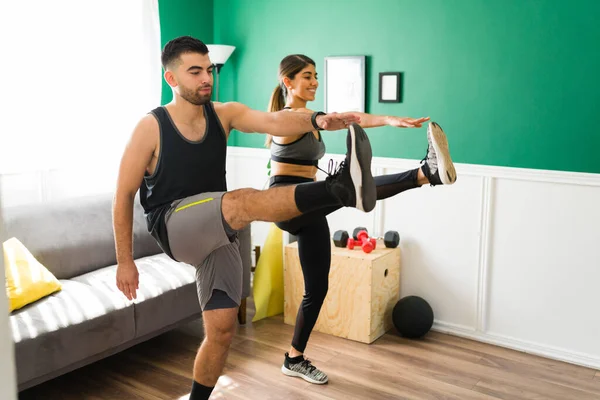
[(545, 265), (440, 232)]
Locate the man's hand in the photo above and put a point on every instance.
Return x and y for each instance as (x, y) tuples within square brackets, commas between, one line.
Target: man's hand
[(401, 122), (128, 279), (337, 121)]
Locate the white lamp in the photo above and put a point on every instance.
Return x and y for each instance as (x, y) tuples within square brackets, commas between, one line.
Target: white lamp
[(219, 53)]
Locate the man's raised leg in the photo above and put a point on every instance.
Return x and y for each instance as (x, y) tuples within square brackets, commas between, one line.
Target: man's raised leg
[(352, 185)]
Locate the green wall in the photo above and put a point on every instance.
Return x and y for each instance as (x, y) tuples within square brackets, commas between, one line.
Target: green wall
[(184, 17), (512, 82)]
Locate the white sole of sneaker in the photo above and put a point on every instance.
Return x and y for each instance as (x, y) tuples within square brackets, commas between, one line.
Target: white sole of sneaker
[(289, 372), (355, 171), (439, 140), (360, 169)]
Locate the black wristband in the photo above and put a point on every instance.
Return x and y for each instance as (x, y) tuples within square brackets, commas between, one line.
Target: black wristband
[(313, 119)]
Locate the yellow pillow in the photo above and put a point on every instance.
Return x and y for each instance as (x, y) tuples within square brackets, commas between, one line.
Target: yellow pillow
[(26, 279)]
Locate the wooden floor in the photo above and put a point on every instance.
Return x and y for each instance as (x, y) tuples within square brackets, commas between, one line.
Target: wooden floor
[(437, 367)]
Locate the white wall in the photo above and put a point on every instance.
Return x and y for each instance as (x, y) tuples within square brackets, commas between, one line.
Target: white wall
[(506, 256), (7, 366), (35, 187)]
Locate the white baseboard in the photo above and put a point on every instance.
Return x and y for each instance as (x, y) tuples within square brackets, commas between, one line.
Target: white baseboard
[(541, 350)]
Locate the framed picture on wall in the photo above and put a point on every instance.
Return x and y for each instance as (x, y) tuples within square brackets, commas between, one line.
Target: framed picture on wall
[(345, 84), (390, 87)]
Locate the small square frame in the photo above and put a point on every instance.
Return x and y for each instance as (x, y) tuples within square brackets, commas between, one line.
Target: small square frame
[(391, 87)]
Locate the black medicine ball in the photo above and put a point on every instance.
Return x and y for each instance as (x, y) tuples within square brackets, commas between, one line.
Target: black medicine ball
[(412, 317)]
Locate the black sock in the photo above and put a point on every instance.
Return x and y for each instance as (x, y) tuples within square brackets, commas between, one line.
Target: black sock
[(294, 360), (314, 195), (200, 392)]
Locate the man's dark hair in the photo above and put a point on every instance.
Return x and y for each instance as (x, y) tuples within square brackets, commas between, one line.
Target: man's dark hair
[(181, 45)]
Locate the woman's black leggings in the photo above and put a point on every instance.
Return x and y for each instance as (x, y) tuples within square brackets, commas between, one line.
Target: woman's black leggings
[(314, 248)]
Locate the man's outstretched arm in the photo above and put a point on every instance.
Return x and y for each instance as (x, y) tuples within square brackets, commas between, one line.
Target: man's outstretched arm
[(283, 123)]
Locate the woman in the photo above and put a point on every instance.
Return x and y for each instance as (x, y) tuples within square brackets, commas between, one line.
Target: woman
[(295, 160)]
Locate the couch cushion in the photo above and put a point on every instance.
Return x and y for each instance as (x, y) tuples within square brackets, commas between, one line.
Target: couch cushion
[(74, 236), (67, 326), (166, 294)]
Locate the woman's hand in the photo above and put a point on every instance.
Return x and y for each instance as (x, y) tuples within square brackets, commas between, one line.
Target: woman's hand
[(405, 122)]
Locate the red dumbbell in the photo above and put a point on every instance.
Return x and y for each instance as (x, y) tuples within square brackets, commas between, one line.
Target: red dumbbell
[(367, 244), (363, 237)]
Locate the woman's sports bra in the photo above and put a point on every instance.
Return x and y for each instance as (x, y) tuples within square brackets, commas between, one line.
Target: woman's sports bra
[(307, 150)]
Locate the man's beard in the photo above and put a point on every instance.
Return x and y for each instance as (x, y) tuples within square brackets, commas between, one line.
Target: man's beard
[(195, 97)]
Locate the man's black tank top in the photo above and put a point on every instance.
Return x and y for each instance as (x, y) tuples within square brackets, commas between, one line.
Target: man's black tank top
[(184, 168)]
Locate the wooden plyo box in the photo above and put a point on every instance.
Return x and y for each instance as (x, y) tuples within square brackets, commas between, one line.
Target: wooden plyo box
[(363, 290)]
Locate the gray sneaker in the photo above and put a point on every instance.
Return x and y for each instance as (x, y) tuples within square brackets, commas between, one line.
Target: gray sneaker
[(352, 183), (437, 164), (305, 370)]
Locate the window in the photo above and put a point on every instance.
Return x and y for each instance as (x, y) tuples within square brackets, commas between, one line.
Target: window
[(78, 76)]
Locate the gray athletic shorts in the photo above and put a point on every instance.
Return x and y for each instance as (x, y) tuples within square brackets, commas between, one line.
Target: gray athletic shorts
[(199, 236)]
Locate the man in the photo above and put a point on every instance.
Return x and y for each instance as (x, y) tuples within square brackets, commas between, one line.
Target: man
[(176, 158)]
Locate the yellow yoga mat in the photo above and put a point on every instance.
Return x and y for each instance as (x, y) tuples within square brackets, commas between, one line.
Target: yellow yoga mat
[(268, 277)]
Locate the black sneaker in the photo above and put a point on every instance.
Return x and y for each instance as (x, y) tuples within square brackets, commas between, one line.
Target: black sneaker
[(437, 164), (303, 369), (353, 183)]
